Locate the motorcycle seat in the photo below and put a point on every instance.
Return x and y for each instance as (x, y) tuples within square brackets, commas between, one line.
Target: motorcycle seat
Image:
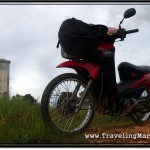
[(125, 66)]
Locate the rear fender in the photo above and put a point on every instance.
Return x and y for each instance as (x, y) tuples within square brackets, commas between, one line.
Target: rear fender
[(80, 66)]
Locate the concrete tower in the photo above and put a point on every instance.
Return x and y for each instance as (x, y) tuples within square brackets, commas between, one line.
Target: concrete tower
[(4, 78)]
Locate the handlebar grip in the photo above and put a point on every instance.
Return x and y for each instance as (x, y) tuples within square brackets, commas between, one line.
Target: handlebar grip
[(131, 31)]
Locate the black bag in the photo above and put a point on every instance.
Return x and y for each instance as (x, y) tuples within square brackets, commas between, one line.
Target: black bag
[(79, 39)]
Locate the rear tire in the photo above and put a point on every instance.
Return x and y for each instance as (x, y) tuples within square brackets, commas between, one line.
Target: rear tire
[(63, 105), (141, 118)]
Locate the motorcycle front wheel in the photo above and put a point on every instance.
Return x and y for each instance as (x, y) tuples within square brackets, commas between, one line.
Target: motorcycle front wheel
[(59, 102)]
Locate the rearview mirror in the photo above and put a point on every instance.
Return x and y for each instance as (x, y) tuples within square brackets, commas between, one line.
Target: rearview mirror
[(129, 13)]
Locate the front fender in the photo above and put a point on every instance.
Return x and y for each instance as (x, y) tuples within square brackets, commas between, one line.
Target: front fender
[(92, 68)]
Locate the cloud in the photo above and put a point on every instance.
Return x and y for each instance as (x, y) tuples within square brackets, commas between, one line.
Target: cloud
[(29, 36)]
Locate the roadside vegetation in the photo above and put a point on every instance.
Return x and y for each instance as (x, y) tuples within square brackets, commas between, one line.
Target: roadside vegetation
[(21, 123)]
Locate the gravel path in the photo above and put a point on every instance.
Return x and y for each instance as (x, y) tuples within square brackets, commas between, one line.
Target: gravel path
[(133, 134)]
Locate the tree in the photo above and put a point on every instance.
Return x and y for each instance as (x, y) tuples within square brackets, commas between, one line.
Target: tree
[(27, 97), (30, 98), (17, 97)]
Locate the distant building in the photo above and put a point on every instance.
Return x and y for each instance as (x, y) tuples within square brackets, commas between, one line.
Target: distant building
[(4, 78)]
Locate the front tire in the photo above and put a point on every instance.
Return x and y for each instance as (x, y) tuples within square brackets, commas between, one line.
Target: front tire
[(59, 101)]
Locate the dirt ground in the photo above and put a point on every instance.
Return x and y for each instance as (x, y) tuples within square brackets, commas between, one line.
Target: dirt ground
[(133, 134)]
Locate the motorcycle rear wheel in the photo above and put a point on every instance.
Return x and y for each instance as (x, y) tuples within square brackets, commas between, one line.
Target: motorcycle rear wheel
[(140, 117), (59, 101)]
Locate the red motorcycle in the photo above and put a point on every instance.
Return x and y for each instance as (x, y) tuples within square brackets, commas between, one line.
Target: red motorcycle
[(70, 100)]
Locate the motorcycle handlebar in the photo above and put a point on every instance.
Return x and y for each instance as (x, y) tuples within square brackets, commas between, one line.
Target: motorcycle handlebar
[(131, 31), (122, 33)]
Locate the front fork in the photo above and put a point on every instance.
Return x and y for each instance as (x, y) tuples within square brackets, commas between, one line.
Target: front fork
[(78, 106)]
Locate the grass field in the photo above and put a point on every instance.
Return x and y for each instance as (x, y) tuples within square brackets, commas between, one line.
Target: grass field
[(21, 122)]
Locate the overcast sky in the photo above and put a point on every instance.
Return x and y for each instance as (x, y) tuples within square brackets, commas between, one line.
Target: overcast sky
[(29, 34)]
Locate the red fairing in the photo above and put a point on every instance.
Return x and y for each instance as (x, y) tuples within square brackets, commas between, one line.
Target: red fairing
[(106, 46), (142, 82), (92, 68)]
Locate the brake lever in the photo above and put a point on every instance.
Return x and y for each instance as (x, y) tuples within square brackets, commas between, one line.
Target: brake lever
[(121, 39)]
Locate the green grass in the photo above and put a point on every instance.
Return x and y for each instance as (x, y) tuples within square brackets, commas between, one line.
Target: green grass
[(21, 122)]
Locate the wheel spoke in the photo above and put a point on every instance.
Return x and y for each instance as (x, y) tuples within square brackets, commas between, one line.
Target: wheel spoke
[(66, 124), (62, 105), (62, 113), (64, 87), (71, 121), (58, 92), (58, 109)]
